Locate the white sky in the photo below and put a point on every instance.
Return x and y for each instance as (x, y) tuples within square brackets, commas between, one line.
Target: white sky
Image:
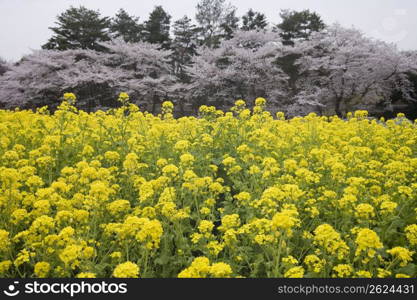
[(24, 23)]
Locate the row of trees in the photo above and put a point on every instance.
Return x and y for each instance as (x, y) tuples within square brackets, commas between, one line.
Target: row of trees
[(333, 71), (300, 65), (82, 28)]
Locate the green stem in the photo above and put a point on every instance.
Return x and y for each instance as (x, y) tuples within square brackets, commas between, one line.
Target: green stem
[(278, 257), (145, 263)]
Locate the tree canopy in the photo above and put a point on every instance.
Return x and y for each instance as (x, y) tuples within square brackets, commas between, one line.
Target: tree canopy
[(125, 26), (254, 21), (157, 27), (217, 20), (299, 24), (79, 28)]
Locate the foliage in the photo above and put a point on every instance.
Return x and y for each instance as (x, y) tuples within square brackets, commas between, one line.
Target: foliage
[(230, 25), (184, 46), (297, 25), (127, 27), (254, 21), (156, 28), (217, 19), (79, 28)]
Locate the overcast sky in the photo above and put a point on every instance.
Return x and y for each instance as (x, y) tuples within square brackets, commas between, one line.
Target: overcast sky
[(24, 23)]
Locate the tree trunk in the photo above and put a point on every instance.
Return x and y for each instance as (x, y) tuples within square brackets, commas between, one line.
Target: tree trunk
[(337, 107), (181, 106), (155, 100)]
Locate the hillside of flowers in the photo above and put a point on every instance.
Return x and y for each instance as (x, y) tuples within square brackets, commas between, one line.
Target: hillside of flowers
[(125, 193)]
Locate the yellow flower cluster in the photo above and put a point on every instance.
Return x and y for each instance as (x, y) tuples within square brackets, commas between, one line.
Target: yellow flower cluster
[(330, 241), (367, 242), (124, 193), (201, 268), (126, 270)]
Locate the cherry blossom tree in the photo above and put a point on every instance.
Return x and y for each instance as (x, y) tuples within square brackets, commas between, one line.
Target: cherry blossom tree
[(95, 77), (145, 71), (241, 68), (33, 79), (42, 77), (342, 69)]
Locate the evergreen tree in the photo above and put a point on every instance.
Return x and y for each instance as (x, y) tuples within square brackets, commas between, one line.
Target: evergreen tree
[(230, 25), (217, 20), (156, 28), (79, 28), (184, 45), (299, 25), (296, 26), (254, 21), (125, 26)]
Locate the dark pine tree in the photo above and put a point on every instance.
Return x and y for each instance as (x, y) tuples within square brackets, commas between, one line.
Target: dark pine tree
[(156, 28), (299, 25), (79, 28), (126, 27), (184, 46), (230, 25), (217, 21), (254, 21)]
